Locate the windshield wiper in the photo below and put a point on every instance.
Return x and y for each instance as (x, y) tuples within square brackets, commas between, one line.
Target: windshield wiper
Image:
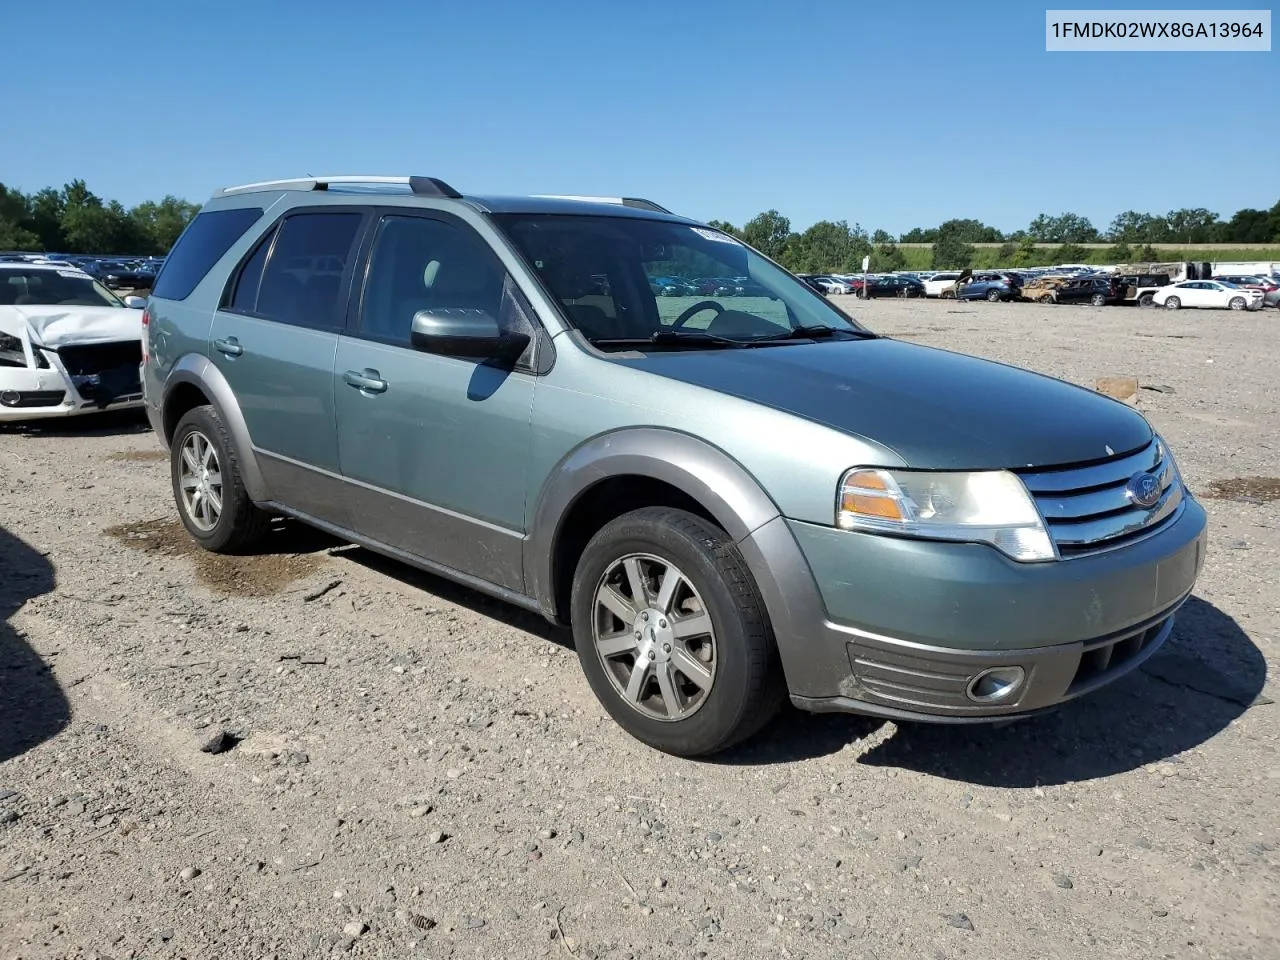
[(817, 331), (672, 338)]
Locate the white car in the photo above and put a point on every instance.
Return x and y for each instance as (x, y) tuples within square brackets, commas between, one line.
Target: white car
[(68, 345), (934, 286), (1207, 293), (833, 285)]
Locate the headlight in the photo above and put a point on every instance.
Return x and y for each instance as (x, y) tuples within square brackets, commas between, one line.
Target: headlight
[(990, 507)]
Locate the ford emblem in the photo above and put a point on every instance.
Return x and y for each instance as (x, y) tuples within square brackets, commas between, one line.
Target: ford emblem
[(1143, 489)]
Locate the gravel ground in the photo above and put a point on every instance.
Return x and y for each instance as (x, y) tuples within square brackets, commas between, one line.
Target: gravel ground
[(315, 751)]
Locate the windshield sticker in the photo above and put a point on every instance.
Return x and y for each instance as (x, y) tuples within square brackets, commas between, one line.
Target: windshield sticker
[(713, 235)]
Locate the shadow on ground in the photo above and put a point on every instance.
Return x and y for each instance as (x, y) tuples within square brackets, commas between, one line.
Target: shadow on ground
[(452, 592), (107, 424), (33, 707), (1207, 675)]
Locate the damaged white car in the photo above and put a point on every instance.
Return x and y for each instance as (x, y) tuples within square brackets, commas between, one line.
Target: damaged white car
[(68, 345)]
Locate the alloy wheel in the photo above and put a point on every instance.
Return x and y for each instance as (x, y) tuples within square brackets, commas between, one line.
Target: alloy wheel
[(200, 480), (654, 637)]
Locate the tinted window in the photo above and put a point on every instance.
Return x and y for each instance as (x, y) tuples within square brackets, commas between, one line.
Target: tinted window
[(245, 297), (201, 245), (421, 264), (302, 283)]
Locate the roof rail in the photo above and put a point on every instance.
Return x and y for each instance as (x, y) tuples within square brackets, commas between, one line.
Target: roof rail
[(420, 186), (636, 202)]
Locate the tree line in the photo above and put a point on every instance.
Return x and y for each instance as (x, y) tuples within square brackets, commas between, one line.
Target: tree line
[(73, 219), (836, 246)]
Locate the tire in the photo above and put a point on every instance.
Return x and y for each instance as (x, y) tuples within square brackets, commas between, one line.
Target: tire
[(738, 686), (1147, 300), (1046, 298), (201, 439), (1098, 300), (993, 296), (1173, 303), (1237, 303)]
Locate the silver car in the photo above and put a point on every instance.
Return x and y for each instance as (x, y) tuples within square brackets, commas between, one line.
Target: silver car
[(731, 500)]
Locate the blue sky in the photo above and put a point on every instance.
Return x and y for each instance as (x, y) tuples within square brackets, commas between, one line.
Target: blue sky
[(889, 115)]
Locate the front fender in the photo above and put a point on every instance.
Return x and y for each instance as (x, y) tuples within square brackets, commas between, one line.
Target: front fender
[(200, 372), (706, 473)]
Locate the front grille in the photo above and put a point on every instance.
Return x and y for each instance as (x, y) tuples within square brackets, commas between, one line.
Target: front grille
[(104, 373), (1109, 655), (96, 357), (38, 398), (1087, 508)]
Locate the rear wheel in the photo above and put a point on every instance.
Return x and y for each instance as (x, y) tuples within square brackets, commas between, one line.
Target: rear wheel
[(1173, 303), (993, 296), (207, 486), (1147, 300), (1046, 298), (672, 635), (1098, 300), (1237, 303)]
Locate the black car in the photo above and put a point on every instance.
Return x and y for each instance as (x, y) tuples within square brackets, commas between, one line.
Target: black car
[(895, 287), (1098, 291), (121, 276)]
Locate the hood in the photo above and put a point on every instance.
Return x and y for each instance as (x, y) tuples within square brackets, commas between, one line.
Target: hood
[(934, 408), (59, 326)]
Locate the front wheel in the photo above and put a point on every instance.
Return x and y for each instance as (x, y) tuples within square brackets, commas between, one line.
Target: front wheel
[(207, 486), (1173, 303), (993, 296), (1237, 303), (672, 635)]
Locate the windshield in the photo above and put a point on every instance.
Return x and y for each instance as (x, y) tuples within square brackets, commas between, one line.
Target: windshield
[(47, 288), (623, 279)]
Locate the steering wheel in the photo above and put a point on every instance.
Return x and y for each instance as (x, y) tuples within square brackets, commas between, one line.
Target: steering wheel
[(690, 312)]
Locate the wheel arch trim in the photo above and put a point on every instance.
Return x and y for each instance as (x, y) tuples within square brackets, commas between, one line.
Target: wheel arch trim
[(722, 485), (199, 371)]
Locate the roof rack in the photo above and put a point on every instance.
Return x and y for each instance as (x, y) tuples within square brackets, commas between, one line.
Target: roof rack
[(419, 186), (636, 202)]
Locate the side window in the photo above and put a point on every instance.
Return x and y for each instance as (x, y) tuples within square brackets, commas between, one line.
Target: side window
[(302, 282), (202, 244), (421, 264), (244, 299)]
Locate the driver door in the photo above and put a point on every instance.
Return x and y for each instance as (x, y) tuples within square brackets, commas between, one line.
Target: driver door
[(434, 449)]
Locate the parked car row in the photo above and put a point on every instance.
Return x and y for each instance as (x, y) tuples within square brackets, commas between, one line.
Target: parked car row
[(878, 285), (115, 273), (705, 287), (1184, 287)]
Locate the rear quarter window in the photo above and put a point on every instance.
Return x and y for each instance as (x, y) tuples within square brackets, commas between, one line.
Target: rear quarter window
[(202, 244)]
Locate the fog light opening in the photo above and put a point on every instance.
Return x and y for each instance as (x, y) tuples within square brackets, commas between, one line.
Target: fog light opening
[(996, 684), (10, 398)]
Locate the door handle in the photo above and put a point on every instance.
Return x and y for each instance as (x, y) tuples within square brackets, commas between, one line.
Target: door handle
[(366, 380), (230, 346)]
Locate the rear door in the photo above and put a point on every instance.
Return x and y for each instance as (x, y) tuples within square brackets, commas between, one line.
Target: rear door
[(274, 339), (1192, 294), (434, 449)]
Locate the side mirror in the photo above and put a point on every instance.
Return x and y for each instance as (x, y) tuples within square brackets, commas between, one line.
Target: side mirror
[(135, 303), (464, 332)]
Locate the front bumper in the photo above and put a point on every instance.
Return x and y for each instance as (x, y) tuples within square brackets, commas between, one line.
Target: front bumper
[(41, 394), (903, 628)]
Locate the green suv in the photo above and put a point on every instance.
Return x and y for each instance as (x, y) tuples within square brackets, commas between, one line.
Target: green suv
[(732, 497)]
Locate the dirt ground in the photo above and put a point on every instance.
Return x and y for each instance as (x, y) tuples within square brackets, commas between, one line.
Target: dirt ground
[(315, 751)]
